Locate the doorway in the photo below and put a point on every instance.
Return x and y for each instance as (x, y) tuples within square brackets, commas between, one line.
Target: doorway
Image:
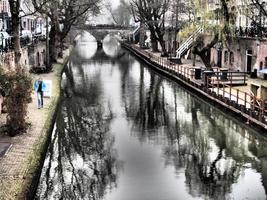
[(249, 61), (219, 58)]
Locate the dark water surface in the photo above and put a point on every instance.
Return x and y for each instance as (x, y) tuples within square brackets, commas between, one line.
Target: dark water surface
[(125, 133)]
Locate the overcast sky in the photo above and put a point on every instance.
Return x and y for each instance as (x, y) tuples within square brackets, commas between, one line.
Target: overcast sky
[(105, 17)]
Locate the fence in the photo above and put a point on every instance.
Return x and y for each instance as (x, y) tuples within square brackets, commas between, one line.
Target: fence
[(218, 84)]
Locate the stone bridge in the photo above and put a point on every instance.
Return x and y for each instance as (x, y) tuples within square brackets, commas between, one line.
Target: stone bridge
[(100, 32)]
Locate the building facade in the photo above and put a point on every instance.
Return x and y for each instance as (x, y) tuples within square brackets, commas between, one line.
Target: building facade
[(28, 22)]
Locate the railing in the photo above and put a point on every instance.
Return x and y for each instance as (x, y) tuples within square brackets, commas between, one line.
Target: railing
[(218, 85), (221, 77), (244, 101), (136, 30), (251, 32), (188, 42)]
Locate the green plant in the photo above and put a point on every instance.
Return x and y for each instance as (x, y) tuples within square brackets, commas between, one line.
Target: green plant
[(17, 85)]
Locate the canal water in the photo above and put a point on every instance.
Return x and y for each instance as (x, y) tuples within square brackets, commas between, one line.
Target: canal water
[(123, 132)]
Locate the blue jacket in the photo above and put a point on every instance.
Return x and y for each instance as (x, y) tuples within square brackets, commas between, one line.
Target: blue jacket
[(36, 85)]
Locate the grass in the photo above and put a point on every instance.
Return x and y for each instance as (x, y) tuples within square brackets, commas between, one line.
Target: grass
[(21, 187)]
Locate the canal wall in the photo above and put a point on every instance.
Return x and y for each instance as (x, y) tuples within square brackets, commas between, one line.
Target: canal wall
[(20, 168), (41, 146), (168, 69)]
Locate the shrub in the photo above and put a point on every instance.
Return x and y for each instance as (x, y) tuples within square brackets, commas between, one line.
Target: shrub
[(17, 85)]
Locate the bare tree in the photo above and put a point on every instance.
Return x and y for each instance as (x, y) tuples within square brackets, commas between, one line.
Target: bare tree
[(63, 14), (181, 13), (152, 14), (257, 13), (120, 15)]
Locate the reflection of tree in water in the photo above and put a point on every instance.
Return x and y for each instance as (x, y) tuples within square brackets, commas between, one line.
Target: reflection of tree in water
[(211, 148), (81, 162), (214, 152), (146, 106)]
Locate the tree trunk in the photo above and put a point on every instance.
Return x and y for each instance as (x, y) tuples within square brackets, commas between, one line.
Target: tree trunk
[(16, 40), (203, 52), (52, 46), (15, 9), (205, 59), (154, 42), (163, 47), (154, 45), (54, 41), (160, 33)]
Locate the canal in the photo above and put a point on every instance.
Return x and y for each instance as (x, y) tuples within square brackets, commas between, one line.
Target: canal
[(123, 132)]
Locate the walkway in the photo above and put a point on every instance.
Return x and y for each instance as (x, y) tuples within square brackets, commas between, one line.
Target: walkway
[(15, 164)]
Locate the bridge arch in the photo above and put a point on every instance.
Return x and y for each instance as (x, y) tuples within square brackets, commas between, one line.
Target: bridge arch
[(99, 34)]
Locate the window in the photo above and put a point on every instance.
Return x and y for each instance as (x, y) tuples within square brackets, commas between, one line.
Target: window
[(4, 6), (225, 56), (232, 58)]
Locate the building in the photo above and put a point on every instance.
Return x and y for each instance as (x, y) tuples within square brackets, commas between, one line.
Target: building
[(28, 22), (5, 16), (247, 50)]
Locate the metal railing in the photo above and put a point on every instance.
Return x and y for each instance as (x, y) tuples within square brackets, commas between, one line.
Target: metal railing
[(188, 42), (217, 84), (246, 102)]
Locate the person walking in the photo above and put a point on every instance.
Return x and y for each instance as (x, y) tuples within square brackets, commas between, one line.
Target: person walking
[(39, 88)]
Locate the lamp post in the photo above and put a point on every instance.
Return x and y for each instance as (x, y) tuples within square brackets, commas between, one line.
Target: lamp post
[(47, 44)]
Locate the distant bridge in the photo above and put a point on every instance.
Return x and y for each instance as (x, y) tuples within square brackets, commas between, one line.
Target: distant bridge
[(101, 31), (107, 26)]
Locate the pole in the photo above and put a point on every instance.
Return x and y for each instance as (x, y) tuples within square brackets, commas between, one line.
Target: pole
[(3, 23), (176, 27), (47, 45), (2, 40), (259, 29)]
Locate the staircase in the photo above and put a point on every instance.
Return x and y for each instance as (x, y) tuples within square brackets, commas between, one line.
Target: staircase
[(187, 44), (135, 33)]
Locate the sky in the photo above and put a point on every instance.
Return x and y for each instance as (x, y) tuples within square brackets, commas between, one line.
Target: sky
[(105, 17)]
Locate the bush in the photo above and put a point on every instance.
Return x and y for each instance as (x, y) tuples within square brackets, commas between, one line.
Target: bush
[(17, 85)]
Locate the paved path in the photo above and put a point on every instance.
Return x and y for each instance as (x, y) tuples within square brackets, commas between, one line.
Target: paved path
[(187, 63), (13, 166)]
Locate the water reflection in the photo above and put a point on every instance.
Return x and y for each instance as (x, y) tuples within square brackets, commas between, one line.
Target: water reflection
[(81, 161), (111, 46), (213, 151), (85, 46), (124, 132)]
